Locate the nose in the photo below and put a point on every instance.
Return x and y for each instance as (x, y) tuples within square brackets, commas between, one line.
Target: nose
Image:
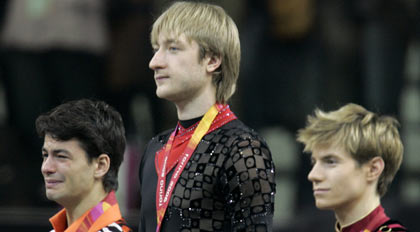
[(315, 175), (48, 166), (157, 61)]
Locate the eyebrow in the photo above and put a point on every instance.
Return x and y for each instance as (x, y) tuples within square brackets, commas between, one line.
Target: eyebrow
[(56, 151), (326, 156), (167, 41)]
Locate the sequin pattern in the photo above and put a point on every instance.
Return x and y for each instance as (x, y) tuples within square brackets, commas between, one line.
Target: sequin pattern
[(227, 183)]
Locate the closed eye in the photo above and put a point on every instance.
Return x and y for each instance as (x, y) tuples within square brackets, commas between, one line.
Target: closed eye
[(60, 156)]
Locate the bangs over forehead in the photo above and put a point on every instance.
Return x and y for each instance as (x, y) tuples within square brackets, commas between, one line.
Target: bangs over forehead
[(196, 21), (324, 131)]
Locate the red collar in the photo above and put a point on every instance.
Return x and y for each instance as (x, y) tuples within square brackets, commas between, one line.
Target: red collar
[(367, 224), (183, 135)]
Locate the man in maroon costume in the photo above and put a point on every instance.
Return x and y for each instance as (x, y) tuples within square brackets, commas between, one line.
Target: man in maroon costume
[(355, 156)]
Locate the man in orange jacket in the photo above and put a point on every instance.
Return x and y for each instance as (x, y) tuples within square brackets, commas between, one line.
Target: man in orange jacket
[(84, 144)]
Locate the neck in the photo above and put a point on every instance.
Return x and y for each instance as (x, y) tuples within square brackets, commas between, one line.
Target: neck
[(356, 211), (76, 209), (194, 108)]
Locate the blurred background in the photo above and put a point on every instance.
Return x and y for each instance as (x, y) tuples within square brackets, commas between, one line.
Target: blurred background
[(296, 55)]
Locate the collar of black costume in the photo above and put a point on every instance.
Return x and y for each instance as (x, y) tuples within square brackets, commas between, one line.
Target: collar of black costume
[(187, 123)]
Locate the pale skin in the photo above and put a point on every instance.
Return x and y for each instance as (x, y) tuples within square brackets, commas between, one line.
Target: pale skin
[(342, 185), (70, 180), (181, 77)]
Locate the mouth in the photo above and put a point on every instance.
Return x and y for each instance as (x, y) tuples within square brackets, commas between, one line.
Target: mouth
[(52, 183), (320, 191), (161, 77)]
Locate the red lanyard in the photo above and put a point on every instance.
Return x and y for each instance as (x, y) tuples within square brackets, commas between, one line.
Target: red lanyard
[(162, 196)]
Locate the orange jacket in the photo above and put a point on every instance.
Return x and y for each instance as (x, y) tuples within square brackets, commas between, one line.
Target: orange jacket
[(103, 215)]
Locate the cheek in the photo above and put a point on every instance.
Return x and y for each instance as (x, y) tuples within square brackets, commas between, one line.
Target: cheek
[(347, 184), (81, 182), (339, 182), (191, 67), (87, 173), (81, 175)]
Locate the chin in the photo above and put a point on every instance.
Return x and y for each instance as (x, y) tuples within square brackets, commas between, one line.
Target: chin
[(323, 205), (52, 196), (166, 96), (161, 94)]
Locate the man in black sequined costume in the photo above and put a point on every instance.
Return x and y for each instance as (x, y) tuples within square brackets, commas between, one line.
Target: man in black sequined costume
[(212, 172)]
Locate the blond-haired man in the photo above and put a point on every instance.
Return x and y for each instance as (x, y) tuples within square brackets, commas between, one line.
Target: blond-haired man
[(355, 155), (210, 173)]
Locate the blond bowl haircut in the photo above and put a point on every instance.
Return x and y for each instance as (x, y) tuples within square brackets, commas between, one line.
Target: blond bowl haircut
[(215, 33), (361, 133)]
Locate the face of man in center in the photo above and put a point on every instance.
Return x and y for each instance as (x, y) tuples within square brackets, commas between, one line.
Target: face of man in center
[(179, 73)]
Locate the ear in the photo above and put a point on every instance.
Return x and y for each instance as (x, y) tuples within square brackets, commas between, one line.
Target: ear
[(103, 162), (375, 167), (213, 63)]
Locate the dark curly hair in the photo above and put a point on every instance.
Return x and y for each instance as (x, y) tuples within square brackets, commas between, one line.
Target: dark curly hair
[(96, 125)]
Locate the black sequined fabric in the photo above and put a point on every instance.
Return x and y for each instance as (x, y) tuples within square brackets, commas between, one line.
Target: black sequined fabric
[(227, 185)]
